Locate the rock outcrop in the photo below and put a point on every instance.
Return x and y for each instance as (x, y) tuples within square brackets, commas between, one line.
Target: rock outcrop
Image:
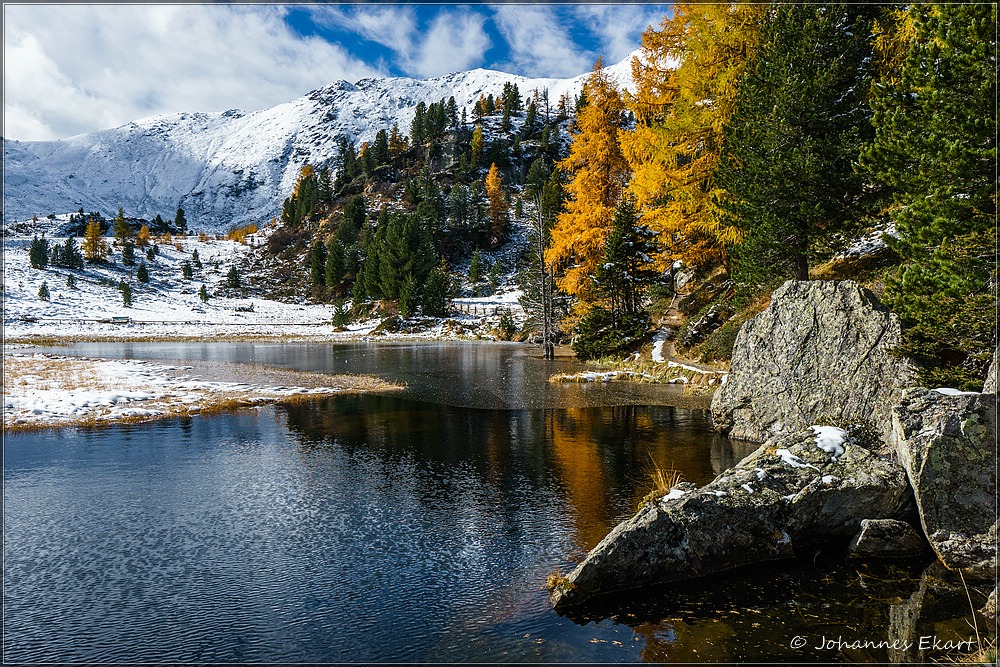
[(819, 352), (886, 538), (990, 386), (989, 610), (947, 445), (789, 492)]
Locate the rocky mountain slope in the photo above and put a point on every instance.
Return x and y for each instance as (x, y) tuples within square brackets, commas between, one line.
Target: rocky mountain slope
[(231, 168)]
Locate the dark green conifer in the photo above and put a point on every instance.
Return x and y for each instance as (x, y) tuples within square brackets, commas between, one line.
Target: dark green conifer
[(935, 150)]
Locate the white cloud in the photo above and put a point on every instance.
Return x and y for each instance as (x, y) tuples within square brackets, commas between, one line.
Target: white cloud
[(77, 68), (454, 41), (619, 27), (540, 43)]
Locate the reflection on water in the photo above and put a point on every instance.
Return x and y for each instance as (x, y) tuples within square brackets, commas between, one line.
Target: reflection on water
[(600, 457), (464, 374), (414, 527)]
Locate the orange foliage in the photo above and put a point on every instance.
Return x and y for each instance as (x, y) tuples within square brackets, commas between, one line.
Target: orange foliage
[(599, 174)]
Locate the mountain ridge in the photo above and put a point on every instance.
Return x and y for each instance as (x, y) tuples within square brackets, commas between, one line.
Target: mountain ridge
[(233, 167)]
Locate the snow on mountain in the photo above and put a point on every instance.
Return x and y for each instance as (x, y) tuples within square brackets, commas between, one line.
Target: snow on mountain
[(232, 167)]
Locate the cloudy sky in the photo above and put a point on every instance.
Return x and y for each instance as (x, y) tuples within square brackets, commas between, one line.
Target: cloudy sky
[(76, 68)]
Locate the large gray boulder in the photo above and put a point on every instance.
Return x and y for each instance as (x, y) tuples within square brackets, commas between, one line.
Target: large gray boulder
[(819, 352), (947, 445), (789, 492)]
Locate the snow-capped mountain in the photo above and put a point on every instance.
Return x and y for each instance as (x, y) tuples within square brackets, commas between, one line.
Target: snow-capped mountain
[(232, 167)]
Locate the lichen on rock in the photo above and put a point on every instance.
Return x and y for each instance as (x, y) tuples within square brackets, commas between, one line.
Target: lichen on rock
[(821, 351), (947, 445), (756, 512)]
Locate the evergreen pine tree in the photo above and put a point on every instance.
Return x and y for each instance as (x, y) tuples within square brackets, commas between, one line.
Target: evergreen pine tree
[(317, 263), (325, 186), (476, 267), (233, 278), (128, 254), (436, 292), (180, 221), (126, 291), (203, 294), (334, 270), (120, 227), (43, 291), (788, 155), (142, 273), (186, 271), (71, 257), (935, 150), (530, 120), (408, 297), (38, 253), (627, 270), (71, 281)]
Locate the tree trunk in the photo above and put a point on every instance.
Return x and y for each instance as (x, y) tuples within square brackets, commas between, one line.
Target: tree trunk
[(801, 267)]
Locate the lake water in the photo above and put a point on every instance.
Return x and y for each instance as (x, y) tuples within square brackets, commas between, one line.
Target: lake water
[(417, 526)]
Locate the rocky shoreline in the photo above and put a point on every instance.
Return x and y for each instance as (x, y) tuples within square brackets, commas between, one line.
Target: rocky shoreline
[(850, 451)]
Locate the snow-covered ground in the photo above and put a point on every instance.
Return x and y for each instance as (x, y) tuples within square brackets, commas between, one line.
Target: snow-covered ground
[(170, 308), (42, 391)]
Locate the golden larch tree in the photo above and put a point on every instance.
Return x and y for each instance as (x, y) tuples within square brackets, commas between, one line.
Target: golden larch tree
[(686, 80), (497, 203), (94, 246), (599, 174)]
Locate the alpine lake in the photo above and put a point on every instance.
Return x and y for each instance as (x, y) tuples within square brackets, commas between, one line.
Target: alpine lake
[(413, 526)]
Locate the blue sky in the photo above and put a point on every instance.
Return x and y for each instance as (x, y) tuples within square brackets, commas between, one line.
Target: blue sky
[(77, 68)]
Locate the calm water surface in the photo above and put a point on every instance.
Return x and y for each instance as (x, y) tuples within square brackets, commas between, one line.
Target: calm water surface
[(410, 527)]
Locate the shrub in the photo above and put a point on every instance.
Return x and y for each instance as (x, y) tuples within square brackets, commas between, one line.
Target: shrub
[(598, 334)]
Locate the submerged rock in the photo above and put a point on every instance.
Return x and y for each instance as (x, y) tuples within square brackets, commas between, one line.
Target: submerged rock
[(789, 492), (947, 445), (819, 352), (886, 538)]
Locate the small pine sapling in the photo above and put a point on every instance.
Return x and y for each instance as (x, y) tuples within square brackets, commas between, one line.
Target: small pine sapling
[(43, 291), (203, 294), (126, 291)]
